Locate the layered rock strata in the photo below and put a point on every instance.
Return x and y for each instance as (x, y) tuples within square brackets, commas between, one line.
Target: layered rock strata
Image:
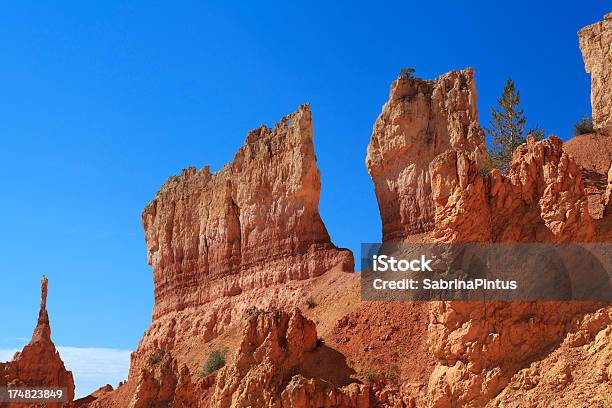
[(222, 242), (596, 47), (252, 224), (421, 120), (39, 363)]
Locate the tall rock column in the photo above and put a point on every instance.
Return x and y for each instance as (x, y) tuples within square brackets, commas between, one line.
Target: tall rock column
[(252, 224), (244, 236), (425, 158), (596, 47), (420, 120), (39, 363)]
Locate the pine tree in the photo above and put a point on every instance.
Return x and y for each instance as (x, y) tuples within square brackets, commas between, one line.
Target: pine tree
[(507, 127)]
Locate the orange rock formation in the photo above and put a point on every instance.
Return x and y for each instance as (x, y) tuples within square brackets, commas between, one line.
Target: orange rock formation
[(250, 235), (421, 120), (244, 236), (596, 46), (39, 363)]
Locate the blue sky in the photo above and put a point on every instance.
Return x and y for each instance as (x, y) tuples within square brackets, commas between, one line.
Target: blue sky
[(103, 101)]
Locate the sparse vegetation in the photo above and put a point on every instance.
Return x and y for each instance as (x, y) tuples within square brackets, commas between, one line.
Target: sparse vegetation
[(507, 127), (583, 126), (485, 171), (536, 133), (215, 361), (370, 375), (392, 374), (311, 303), (156, 357), (406, 72)]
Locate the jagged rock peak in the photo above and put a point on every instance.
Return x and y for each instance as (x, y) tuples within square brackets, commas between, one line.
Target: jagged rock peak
[(39, 363), (421, 119), (253, 223), (596, 47), (43, 329)]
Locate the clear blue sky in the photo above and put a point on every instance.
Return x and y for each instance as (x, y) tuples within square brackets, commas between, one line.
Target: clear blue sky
[(103, 101)]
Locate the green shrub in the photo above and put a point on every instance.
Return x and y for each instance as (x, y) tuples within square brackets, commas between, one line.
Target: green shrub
[(392, 374), (310, 303), (215, 361), (370, 375), (156, 357), (584, 125), (507, 127), (537, 133), (406, 72)]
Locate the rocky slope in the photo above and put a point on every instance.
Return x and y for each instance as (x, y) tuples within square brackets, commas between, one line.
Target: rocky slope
[(39, 363), (596, 46)]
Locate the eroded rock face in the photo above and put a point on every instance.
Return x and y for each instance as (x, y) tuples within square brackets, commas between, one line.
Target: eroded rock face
[(481, 345), (579, 371), (421, 120), (540, 199), (162, 384), (593, 155), (544, 190), (252, 224), (221, 243), (478, 346), (596, 47), (39, 363), (266, 371), (459, 192)]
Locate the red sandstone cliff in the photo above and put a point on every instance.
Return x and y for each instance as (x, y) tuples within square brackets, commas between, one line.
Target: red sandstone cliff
[(39, 363), (244, 236), (420, 120), (253, 224), (217, 248)]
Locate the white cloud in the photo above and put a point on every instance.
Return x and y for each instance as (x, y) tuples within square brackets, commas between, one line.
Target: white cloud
[(7, 354), (91, 367)]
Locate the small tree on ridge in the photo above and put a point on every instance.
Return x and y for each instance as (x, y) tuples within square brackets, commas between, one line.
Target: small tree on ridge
[(507, 127)]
